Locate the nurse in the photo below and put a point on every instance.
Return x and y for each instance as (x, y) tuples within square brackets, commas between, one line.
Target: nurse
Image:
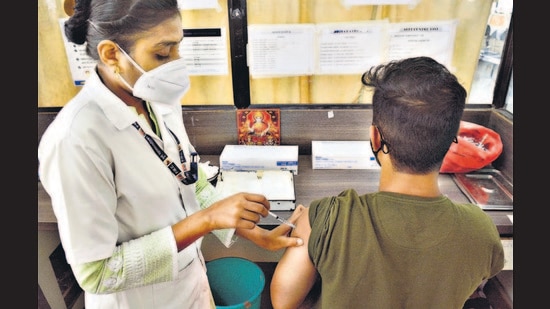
[(131, 202)]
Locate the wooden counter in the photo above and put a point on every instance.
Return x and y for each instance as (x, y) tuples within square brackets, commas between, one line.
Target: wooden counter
[(312, 184)]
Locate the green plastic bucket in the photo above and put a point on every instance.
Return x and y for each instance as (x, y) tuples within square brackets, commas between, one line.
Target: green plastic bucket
[(235, 283)]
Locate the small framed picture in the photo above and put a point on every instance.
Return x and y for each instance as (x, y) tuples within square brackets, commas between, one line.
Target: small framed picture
[(259, 126)]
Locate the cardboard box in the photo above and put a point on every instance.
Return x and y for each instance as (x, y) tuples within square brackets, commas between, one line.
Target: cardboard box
[(257, 158), (342, 155)]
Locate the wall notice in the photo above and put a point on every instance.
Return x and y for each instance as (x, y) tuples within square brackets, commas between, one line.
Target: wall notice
[(432, 39), (349, 48), (280, 50), (80, 63), (205, 51)]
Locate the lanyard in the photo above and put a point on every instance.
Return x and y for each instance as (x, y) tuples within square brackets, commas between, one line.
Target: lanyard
[(188, 176)]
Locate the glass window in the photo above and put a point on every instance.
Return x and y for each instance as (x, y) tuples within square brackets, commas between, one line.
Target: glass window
[(509, 103), (491, 53)]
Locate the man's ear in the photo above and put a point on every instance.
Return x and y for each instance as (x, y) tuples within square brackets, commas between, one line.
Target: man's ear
[(107, 51), (374, 137)]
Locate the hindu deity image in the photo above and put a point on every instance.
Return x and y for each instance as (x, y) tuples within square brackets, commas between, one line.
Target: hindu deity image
[(258, 127)]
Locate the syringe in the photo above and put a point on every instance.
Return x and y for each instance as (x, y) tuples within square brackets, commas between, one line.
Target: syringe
[(282, 220)]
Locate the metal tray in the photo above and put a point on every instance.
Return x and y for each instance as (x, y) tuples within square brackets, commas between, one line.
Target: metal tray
[(487, 188)]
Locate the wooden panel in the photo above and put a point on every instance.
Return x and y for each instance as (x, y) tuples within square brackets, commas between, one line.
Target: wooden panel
[(210, 130), (300, 127), (42, 302), (44, 120), (499, 290)]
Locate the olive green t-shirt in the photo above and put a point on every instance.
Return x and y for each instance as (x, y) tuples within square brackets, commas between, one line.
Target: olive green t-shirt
[(388, 250)]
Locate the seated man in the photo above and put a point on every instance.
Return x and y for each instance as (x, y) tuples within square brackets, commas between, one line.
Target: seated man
[(407, 245)]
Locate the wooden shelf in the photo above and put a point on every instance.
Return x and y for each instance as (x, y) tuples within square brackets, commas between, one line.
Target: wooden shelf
[(65, 278)]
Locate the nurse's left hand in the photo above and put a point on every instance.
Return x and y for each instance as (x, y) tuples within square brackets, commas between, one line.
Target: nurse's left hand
[(277, 238)]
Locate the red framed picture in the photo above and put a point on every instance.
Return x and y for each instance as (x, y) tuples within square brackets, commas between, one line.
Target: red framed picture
[(258, 126)]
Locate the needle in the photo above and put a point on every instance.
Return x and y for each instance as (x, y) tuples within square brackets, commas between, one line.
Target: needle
[(282, 220)]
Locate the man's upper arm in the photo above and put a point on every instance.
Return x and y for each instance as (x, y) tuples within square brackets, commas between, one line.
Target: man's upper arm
[(295, 274)]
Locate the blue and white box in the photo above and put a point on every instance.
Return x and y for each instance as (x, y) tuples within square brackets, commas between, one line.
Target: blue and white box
[(259, 157), (342, 155)]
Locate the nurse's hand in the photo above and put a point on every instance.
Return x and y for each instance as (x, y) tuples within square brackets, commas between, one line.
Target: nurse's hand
[(239, 211), (277, 238)]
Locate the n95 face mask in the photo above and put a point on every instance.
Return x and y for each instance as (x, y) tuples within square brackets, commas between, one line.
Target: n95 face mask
[(166, 83)]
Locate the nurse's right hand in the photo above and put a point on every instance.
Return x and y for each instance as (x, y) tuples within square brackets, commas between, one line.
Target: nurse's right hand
[(241, 210)]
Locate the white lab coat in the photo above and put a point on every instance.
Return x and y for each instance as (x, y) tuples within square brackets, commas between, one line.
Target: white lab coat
[(108, 187)]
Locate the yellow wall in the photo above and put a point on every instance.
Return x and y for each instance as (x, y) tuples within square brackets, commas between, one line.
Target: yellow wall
[(55, 85), (209, 90), (472, 16)]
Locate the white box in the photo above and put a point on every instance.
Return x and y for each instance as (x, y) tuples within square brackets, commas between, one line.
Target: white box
[(260, 157), (342, 155), (277, 186)]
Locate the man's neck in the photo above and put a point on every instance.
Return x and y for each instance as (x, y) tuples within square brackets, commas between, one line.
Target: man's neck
[(412, 184)]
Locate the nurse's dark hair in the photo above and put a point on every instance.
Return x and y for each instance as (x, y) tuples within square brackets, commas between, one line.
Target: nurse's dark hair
[(417, 106), (121, 21)]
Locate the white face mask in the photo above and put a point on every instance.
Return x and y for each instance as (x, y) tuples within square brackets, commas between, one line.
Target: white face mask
[(166, 83)]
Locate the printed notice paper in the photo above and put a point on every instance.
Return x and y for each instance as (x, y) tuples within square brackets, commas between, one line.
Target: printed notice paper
[(349, 48), (80, 63), (205, 51), (280, 50), (199, 4), (432, 39), (344, 48), (508, 245), (307, 49)]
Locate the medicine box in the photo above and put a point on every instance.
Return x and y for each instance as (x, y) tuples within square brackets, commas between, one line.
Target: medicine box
[(259, 157), (342, 155)]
